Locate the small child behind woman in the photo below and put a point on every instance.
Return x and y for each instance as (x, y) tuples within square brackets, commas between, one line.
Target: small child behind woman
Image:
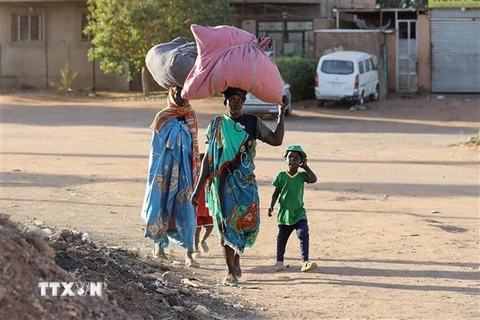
[(203, 220)]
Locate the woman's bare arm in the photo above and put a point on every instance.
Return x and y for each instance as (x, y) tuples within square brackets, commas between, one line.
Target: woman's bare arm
[(275, 138), (275, 195), (204, 172)]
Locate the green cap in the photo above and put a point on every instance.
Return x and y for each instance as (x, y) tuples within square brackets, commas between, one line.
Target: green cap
[(297, 148)]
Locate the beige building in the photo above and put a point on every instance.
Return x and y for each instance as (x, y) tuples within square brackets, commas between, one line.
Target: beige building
[(399, 38), (40, 38), (290, 24)]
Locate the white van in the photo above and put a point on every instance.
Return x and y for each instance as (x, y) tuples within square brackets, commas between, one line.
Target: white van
[(346, 75)]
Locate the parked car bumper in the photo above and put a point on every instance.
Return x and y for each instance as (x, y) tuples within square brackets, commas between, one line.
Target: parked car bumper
[(332, 96), (255, 106), (260, 108)]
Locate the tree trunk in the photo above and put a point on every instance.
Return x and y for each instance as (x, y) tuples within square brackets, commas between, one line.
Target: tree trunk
[(145, 86)]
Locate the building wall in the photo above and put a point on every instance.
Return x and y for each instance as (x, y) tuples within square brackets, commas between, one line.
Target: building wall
[(295, 10), (357, 4), (318, 24), (30, 64), (391, 42), (323, 23), (36, 63), (249, 26), (424, 53), (354, 4), (275, 11), (370, 42)]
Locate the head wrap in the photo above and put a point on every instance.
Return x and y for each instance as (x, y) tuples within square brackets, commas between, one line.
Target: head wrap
[(233, 91)]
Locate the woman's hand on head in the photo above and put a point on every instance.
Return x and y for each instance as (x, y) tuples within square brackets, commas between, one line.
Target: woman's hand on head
[(284, 104)]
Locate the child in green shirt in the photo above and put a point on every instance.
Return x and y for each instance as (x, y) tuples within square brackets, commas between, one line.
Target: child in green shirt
[(291, 214)]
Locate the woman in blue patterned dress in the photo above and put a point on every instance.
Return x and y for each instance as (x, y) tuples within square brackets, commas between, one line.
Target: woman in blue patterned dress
[(173, 170)]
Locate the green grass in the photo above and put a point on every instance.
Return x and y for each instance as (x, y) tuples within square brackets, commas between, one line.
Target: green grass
[(473, 141)]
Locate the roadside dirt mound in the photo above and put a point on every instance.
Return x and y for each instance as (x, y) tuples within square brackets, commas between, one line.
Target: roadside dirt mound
[(133, 287), (25, 260)]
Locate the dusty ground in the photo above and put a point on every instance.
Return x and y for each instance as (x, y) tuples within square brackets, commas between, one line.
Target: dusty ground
[(134, 287), (394, 217)]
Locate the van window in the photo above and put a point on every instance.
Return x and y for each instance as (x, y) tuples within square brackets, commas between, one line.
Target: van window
[(360, 67), (374, 67), (367, 65), (337, 67)]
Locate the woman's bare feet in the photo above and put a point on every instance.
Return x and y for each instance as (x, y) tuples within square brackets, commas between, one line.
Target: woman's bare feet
[(189, 262), (238, 272), (230, 280), (204, 246), (158, 251)]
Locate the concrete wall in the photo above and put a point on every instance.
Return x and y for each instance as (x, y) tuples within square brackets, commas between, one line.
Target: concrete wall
[(391, 42), (354, 4), (250, 26), (424, 53), (36, 63), (324, 23), (330, 3), (369, 42)]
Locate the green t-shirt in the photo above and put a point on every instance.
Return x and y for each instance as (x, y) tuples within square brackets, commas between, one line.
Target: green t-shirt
[(290, 209)]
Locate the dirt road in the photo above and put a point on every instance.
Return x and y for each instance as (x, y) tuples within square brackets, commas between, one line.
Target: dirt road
[(394, 217)]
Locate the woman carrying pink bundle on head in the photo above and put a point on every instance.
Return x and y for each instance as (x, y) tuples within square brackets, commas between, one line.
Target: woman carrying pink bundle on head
[(228, 171)]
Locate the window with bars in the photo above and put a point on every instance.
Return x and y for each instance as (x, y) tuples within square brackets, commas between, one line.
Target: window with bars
[(289, 37), (27, 27)]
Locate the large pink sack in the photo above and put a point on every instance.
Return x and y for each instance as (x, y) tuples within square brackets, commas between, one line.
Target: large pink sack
[(231, 57)]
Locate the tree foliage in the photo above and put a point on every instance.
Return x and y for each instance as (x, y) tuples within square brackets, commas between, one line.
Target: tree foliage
[(124, 30)]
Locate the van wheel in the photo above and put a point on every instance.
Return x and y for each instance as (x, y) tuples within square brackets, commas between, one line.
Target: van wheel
[(375, 95), (360, 99)]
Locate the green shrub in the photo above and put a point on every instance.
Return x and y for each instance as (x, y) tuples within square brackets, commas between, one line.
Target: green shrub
[(299, 72), (474, 141)]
